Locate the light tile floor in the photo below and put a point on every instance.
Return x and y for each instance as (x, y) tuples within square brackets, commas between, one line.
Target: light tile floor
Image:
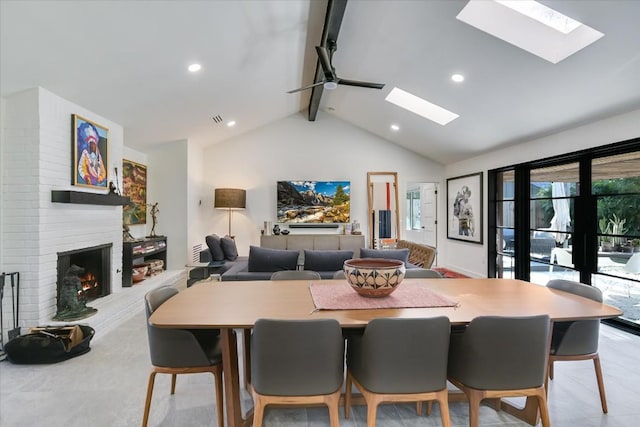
[(106, 387)]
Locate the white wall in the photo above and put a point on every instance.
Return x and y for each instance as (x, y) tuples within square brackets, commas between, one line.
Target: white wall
[(37, 159), (167, 172), (294, 148), (472, 258)]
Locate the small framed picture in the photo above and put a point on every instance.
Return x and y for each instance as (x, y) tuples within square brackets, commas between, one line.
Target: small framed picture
[(464, 208), (90, 154)]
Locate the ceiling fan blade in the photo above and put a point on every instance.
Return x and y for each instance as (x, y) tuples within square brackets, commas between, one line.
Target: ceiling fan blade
[(360, 84), (305, 87), (325, 62)]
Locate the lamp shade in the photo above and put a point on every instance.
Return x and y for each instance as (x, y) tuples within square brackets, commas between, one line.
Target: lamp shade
[(230, 198)]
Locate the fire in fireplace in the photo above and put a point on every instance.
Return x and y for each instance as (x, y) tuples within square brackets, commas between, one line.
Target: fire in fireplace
[(90, 278)]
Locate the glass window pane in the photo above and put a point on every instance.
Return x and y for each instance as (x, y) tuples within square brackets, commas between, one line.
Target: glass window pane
[(505, 240), (622, 293), (542, 180), (504, 267), (506, 185), (618, 174), (552, 214), (618, 222), (541, 245), (504, 214)]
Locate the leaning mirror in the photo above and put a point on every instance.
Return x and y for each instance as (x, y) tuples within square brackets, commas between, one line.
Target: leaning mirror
[(384, 220)]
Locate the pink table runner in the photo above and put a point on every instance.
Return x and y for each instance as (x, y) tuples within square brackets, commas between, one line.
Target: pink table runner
[(340, 296)]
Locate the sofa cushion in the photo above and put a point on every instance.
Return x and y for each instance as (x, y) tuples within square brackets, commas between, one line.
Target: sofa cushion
[(325, 260), (270, 260), (229, 248), (213, 242), (399, 254)]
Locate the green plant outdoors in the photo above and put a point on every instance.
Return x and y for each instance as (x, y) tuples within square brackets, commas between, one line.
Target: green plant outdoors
[(618, 227), (605, 229)]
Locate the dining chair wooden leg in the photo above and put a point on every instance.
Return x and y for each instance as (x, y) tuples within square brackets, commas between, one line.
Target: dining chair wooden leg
[(147, 403), (173, 383), (217, 377), (551, 368), (543, 408), (347, 396), (443, 401), (258, 411), (372, 409), (603, 397), (475, 397), (333, 402)]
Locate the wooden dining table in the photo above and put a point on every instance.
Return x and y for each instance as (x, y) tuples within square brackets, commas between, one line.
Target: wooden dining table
[(237, 305)]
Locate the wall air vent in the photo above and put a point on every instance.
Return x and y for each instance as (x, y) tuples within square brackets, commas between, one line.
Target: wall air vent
[(217, 118)]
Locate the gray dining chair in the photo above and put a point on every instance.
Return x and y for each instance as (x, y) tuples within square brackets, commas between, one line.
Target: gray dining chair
[(577, 340), (180, 351), (422, 273), (339, 275), (296, 275), (499, 357), (296, 362), (399, 360)]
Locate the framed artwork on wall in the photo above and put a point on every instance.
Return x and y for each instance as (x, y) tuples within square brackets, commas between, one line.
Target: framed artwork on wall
[(464, 208), (90, 153), (134, 186)]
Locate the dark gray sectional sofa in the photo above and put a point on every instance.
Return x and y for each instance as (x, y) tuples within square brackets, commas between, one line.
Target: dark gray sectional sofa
[(263, 262)]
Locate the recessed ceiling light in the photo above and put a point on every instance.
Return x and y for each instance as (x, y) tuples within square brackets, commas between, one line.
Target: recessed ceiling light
[(194, 67), (537, 35), (458, 78), (420, 106), (395, 127), (231, 124)]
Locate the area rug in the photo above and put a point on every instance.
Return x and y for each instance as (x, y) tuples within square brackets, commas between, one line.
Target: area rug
[(449, 274), (340, 296)]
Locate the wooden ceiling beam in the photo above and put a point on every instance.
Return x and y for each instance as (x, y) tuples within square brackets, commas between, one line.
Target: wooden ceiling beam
[(332, 23)]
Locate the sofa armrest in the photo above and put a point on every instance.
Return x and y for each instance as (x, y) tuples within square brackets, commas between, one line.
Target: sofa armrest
[(419, 254)]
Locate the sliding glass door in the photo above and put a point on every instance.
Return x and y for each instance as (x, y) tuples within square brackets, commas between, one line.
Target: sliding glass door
[(574, 217), (615, 185)]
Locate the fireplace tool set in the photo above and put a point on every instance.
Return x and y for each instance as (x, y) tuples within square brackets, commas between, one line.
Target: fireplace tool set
[(14, 280)]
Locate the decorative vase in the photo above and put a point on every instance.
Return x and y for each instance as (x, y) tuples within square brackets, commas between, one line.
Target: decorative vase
[(374, 277), (276, 230)]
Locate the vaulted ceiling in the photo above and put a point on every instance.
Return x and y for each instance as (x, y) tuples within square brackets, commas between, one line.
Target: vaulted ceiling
[(127, 61)]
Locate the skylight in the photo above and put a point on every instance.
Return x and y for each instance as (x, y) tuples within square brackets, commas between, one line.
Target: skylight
[(542, 14), (531, 26), (420, 106)]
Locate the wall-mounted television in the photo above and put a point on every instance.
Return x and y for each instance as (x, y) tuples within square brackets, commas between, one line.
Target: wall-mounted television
[(314, 202)]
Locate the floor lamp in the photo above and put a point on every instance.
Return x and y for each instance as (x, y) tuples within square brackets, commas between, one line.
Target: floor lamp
[(230, 199)]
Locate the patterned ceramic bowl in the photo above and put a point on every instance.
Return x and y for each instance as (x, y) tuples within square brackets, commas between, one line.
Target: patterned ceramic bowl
[(374, 277)]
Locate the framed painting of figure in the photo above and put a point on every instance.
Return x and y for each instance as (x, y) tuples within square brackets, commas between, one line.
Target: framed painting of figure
[(464, 208), (90, 158)]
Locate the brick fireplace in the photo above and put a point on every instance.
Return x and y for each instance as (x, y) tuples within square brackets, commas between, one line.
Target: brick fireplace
[(36, 142)]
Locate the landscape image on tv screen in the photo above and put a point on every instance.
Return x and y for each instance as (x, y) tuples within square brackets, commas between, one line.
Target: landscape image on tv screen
[(314, 202)]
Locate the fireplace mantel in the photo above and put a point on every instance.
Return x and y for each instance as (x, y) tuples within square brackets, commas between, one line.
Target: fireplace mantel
[(85, 198)]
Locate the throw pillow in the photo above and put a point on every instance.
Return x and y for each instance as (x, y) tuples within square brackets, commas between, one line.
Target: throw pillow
[(269, 260), (229, 248), (400, 254), (213, 241), (328, 260)]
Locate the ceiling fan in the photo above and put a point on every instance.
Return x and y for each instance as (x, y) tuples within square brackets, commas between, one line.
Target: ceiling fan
[(331, 80)]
